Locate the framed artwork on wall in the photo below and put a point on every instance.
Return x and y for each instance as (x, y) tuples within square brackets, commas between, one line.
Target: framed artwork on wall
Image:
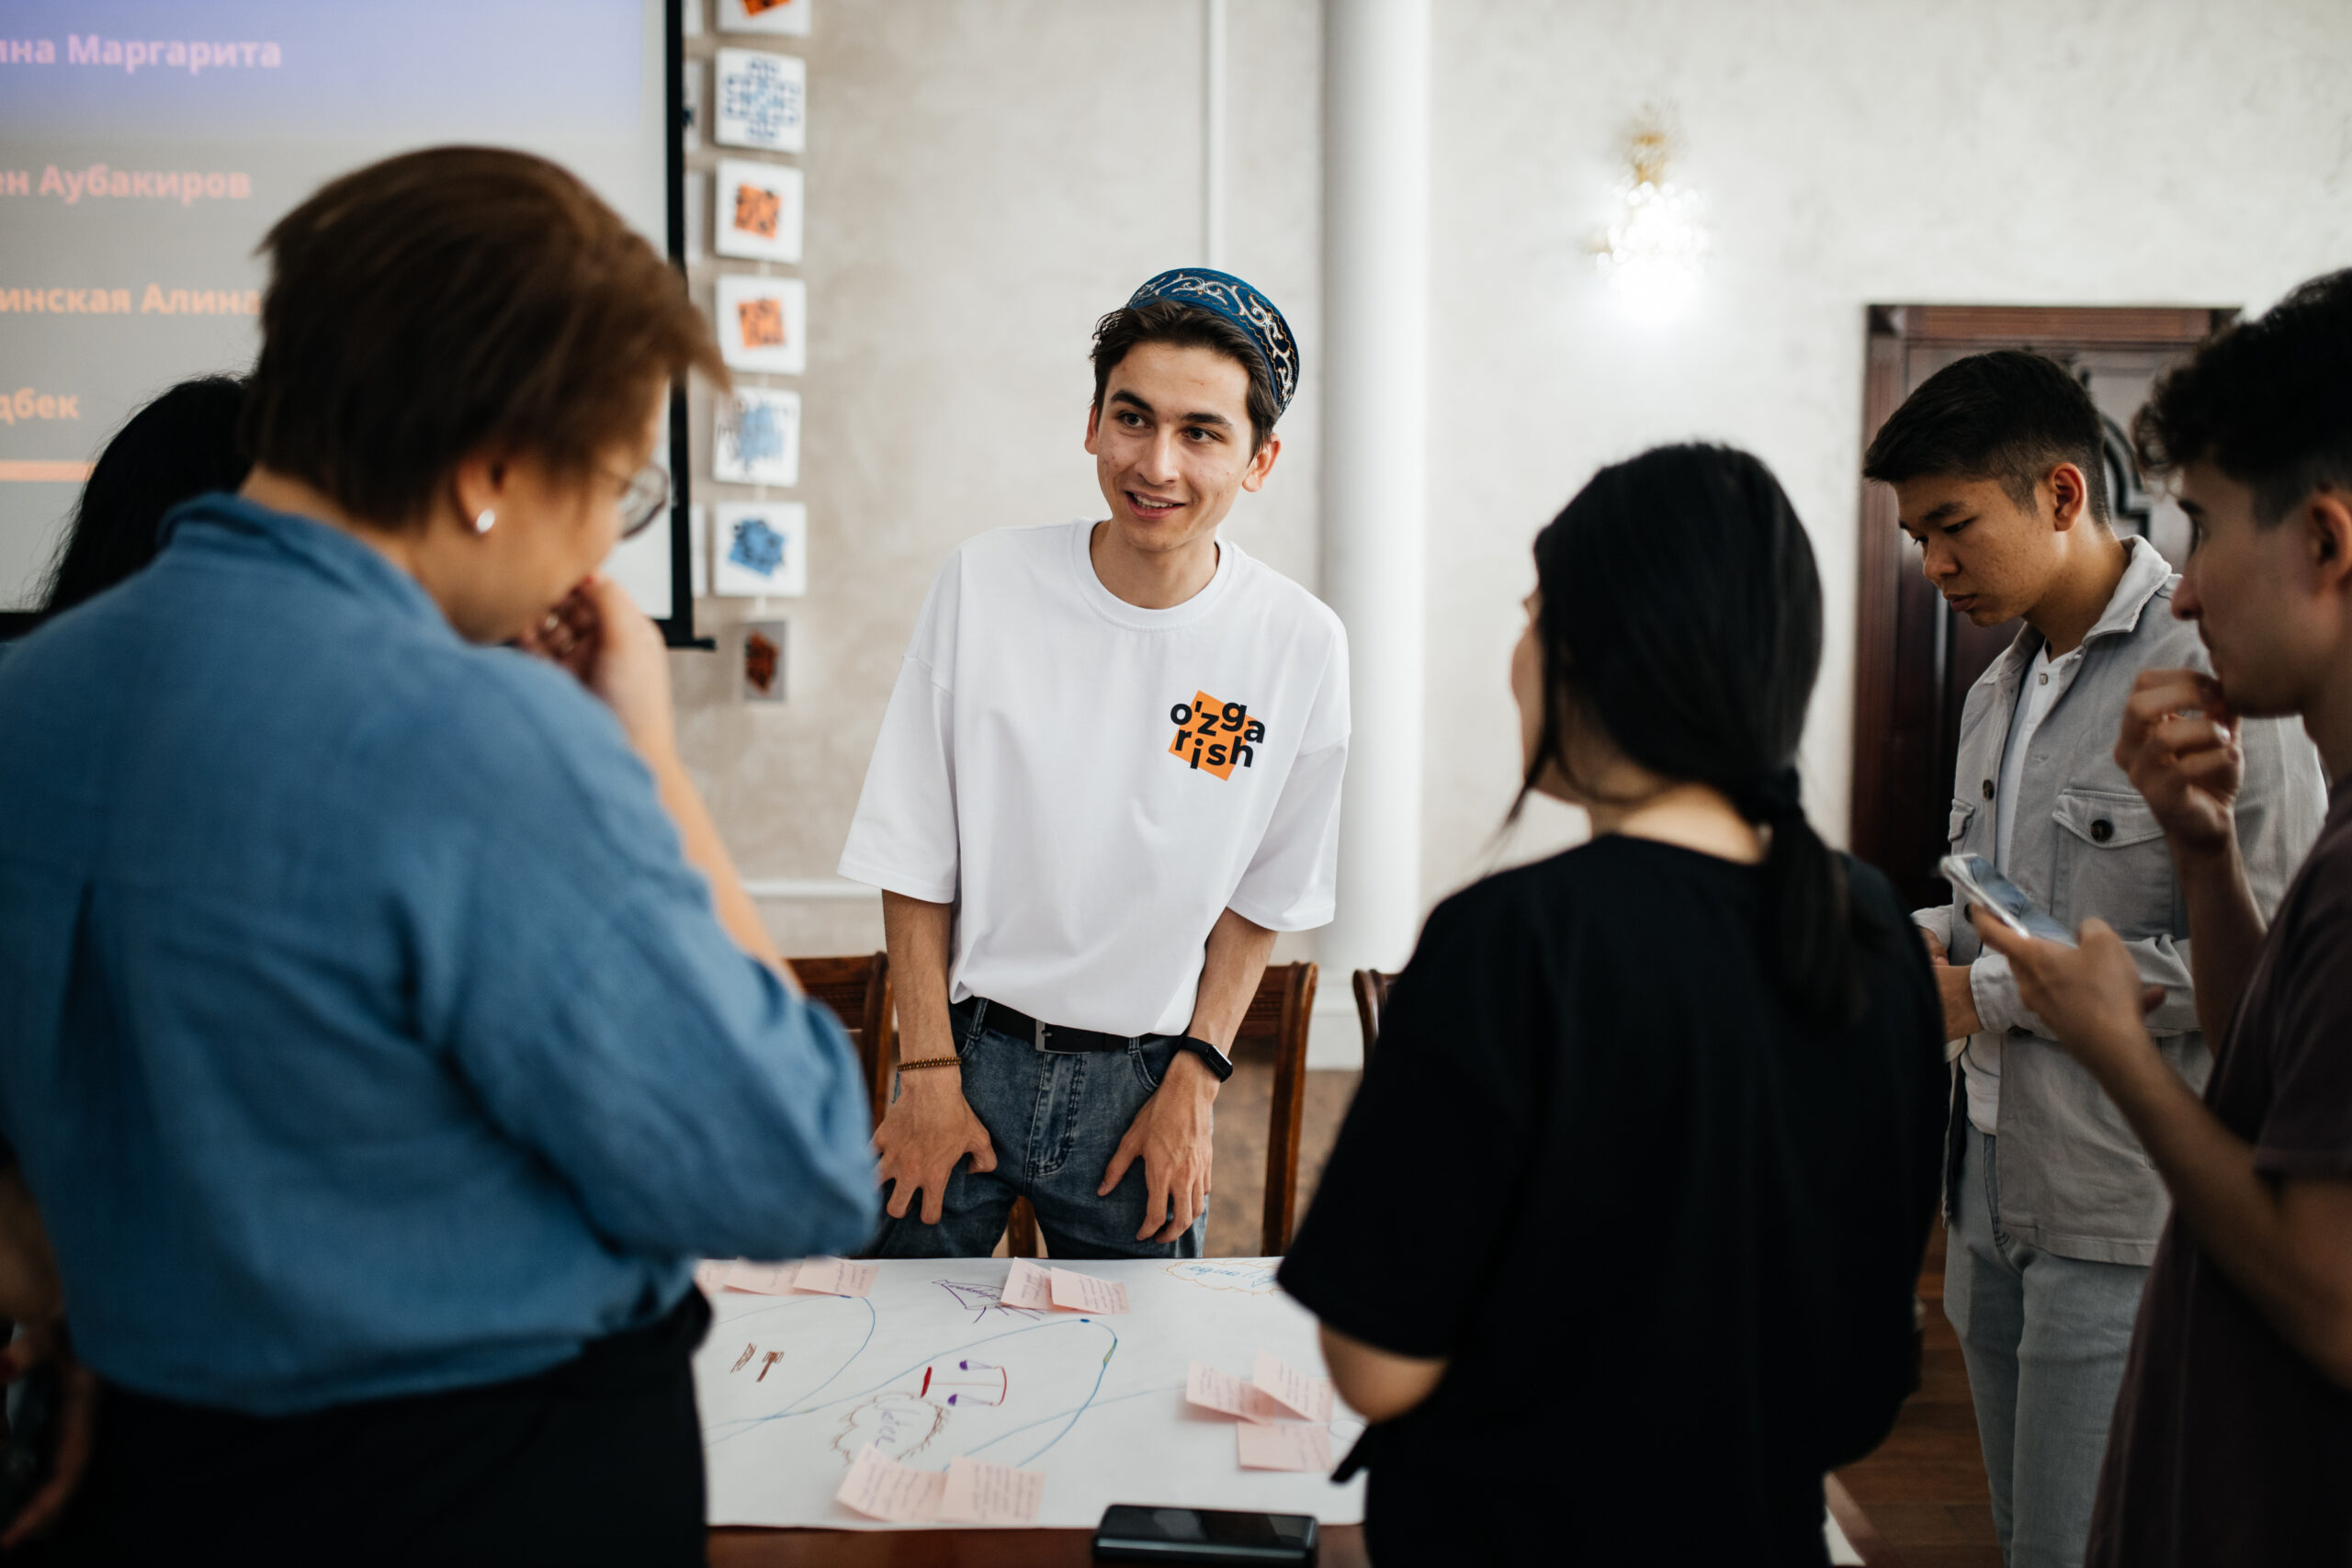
[(761, 549), (763, 645), (762, 101), (758, 211), (763, 323), (787, 16), (755, 437)]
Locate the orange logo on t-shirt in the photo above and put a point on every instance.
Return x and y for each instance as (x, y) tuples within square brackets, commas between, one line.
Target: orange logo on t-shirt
[(1211, 735)]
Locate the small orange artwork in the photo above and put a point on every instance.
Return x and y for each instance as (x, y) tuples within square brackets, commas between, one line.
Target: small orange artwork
[(761, 7), (763, 660), (756, 210), (762, 321), (1214, 737)]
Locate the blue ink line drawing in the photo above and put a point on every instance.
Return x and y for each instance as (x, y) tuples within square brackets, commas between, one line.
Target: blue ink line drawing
[(802, 1407)]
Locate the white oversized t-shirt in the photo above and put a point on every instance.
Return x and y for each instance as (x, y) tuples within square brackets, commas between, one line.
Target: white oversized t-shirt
[(1092, 784)]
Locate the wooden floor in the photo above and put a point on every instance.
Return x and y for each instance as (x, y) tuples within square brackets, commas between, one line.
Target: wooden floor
[(1924, 1490)]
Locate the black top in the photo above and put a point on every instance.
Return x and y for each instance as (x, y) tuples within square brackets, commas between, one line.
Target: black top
[(1666, 1233)]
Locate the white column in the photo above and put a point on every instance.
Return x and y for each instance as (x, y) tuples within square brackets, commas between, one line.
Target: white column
[(1212, 122), (1374, 382)]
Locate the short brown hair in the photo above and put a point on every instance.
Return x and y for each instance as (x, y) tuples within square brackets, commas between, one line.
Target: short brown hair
[(438, 302), (1174, 322)]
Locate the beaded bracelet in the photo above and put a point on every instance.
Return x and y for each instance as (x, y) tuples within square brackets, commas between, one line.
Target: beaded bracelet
[(932, 1062)]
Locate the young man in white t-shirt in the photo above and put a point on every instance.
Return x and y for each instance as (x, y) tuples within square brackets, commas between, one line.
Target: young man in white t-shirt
[(1108, 776)]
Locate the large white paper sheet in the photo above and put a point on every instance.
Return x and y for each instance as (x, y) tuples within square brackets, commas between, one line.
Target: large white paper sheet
[(930, 1366)]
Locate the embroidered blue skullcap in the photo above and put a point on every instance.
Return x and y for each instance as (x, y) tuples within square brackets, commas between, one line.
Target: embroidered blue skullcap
[(1244, 307)]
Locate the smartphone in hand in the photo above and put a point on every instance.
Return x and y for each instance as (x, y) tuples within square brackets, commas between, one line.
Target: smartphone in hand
[(1974, 877)]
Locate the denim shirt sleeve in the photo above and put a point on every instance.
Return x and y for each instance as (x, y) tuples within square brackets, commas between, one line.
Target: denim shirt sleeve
[(572, 967)]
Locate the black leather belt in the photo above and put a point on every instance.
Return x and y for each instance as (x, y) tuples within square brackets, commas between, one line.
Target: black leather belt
[(1045, 1036)]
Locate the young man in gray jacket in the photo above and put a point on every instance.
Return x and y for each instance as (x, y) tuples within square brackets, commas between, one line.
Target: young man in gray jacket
[(2053, 1211)]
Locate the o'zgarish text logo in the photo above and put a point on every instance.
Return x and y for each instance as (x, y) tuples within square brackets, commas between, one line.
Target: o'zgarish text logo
[(1211, 735)]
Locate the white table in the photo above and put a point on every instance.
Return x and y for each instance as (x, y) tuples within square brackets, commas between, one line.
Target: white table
[(928, 1367)]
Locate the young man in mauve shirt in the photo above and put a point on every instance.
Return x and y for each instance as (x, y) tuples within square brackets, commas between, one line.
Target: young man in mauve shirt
[(2233, 1436), (1109, 774)]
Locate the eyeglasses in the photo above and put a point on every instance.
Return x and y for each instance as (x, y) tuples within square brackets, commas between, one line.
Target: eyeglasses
[(647, 497)]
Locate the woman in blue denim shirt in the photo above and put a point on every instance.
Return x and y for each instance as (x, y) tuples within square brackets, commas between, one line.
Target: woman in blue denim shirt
[(383, 1032)]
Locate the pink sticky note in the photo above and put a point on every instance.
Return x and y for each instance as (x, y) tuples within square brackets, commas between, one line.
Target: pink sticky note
[(1084, 1292), (1029, 1285), (1215, 1388), (1311, 1398), (762, 1279), (835, 1277), (1283, 1445), (881, 1488), (711, 1274), (979, 1493)]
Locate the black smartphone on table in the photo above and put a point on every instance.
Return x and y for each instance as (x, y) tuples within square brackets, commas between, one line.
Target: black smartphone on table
[(1135, 1533)]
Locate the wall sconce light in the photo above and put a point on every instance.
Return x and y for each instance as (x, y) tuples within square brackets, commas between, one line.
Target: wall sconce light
[(1655, 247)]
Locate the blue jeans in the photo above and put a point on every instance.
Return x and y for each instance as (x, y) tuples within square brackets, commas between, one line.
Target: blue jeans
[(1055, 1118), (2044, 1337)]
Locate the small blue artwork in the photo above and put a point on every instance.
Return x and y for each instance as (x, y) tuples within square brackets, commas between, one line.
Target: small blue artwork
[(759, 434), (757, 547)]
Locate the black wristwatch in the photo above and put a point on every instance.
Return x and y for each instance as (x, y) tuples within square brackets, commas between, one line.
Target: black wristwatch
[(1219, 1063)]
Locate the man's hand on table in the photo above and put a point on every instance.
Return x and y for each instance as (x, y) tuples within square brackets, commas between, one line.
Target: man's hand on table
[(1171, 1136), (926, 1130)]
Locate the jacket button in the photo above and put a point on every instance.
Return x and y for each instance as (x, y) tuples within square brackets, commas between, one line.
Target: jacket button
[(1988, 789), (2102, 830)]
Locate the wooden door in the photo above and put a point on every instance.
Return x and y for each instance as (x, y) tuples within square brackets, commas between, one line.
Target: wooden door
[(1915, 658)]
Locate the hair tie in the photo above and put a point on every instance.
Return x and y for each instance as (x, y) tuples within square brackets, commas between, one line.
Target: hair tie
[(1775, 797)]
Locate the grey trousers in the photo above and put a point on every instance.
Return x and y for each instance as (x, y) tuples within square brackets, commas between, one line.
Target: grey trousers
[(2044, 1337)]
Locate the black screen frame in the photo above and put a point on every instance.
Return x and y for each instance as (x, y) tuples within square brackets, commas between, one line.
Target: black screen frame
[(678, 625)]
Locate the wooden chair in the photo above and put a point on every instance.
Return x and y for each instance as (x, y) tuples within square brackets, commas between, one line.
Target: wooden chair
[(858, 990), (1370, 986), (1279, 1013)]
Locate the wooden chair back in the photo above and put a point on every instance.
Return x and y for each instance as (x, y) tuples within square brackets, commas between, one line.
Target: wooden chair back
[(1280, 1014), (858, 990), (1370, 986)]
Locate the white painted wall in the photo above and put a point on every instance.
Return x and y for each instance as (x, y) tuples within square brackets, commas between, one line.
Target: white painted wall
[(2028, 152), (986, 176)]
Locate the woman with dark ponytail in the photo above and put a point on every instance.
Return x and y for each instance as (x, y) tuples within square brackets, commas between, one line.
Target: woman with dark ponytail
[(1670, 1104)]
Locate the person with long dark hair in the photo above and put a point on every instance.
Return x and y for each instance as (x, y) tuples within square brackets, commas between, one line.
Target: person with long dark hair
[(1630, 1207), (181, 445)]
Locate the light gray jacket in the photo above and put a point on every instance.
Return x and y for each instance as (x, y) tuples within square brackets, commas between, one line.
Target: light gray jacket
[(2073, 1180)]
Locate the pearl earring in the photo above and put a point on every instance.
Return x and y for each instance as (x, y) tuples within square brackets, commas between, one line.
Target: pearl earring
[(484, 519)]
